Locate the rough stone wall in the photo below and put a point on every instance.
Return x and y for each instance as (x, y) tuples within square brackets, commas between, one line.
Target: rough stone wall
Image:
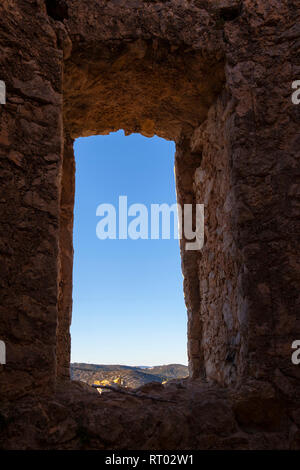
[(191, 415), (248, 270), (63, 337), (185, 166), (30, 148), (263, 132), (223, 339), (138, 66)]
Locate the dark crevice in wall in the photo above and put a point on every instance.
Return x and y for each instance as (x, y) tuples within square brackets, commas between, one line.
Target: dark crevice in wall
[(57, 9), (230, 13)]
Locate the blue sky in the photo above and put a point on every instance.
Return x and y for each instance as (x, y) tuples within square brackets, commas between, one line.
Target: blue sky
[(128, 305)]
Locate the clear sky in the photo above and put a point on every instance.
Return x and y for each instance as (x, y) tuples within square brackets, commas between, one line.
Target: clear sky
[(128, 305)]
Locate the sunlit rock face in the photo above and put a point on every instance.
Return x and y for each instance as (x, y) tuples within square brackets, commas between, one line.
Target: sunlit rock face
[(216, 78)]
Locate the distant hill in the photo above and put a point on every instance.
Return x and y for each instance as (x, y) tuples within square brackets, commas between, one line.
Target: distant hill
[(131, 376), (173, 371)]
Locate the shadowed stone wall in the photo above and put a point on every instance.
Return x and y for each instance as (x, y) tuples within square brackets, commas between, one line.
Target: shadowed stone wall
[(31, 137)]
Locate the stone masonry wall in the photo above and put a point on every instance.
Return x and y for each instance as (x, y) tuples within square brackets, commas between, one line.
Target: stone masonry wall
[(248, 155), (263, 132), (30, 149), (223, 340)]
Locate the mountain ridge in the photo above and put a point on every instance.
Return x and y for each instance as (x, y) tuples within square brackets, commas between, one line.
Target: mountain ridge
[(132, 376)]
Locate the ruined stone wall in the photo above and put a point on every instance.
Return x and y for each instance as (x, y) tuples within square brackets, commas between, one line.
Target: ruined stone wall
[(245, 306), (30, 149), (216, 78), (263, 132), (223, 340), (65, 276)]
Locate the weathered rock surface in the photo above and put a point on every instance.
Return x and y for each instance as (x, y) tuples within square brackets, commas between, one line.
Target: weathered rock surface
[(202, 417)]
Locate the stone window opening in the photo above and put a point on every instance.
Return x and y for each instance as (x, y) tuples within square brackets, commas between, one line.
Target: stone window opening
[(142, 169), (133, 89)]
